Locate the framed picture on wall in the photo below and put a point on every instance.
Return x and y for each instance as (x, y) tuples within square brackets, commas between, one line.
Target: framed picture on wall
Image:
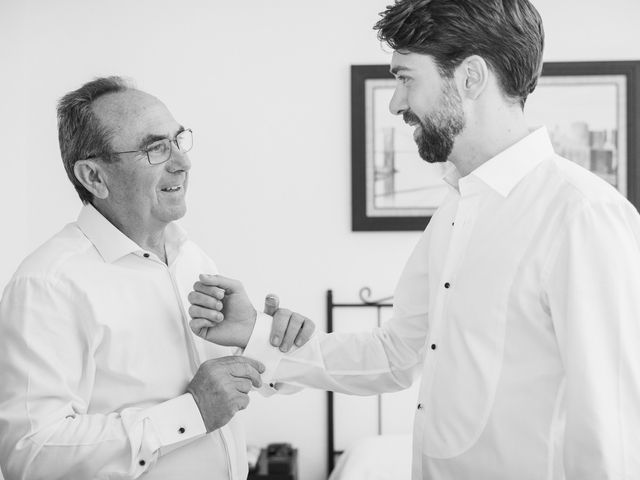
[(590, 109)]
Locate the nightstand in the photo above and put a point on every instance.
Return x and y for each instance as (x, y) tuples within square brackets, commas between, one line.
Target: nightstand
[(279, 471)]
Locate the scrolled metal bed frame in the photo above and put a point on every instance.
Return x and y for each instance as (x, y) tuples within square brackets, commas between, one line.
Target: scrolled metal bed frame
[(365, 302)]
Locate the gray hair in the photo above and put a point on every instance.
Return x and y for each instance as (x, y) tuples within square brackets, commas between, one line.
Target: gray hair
[(80, 133)]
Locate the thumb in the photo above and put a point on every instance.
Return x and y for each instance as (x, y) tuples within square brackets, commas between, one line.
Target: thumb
[(271, 304)]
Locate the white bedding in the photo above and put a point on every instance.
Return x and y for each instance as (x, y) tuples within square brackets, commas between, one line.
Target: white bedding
[(382, 457)]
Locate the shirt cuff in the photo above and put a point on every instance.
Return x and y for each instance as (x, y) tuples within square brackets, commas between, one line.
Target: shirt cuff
[(259, 348), (176, 421)]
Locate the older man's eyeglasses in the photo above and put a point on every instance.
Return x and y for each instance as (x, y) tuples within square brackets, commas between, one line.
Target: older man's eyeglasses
[(160, 151)]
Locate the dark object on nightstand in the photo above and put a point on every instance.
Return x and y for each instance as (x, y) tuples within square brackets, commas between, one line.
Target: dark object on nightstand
[(279, 461)]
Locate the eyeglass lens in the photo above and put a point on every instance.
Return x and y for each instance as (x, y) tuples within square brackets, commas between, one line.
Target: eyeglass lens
[(160, 151)]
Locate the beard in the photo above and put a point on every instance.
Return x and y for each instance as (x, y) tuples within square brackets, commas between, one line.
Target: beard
[(438, 130)]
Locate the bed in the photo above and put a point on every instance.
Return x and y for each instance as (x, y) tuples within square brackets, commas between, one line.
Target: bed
[(368, 438)]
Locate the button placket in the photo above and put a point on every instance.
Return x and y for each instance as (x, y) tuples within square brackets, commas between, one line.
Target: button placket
[(459, 236)]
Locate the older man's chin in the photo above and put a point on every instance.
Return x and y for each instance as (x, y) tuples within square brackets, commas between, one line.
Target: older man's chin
[(181, 212), (171, 213), (173, 205)]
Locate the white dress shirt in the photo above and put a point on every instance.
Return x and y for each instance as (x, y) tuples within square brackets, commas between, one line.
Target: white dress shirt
[(521, 305), (95, 357)]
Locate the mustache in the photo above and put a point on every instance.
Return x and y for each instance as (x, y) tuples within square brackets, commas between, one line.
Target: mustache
[(410, 118)]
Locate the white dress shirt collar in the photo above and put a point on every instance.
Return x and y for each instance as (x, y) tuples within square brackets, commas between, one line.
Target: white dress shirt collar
[(112, 244), (505, 170)]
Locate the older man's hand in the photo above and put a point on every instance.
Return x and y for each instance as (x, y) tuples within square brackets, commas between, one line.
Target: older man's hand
[(222, 313), (220, 388)]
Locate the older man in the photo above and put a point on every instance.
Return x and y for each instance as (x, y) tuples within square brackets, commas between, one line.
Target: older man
[(101, 376)]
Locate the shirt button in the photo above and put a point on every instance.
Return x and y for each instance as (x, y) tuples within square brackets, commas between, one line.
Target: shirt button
[(447, 285), (142, 463), (433, 346), (181, 430), (420, 407), (146, 255)]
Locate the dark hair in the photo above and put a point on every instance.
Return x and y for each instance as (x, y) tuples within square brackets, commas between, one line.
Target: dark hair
[(508, 34), (80, 133)]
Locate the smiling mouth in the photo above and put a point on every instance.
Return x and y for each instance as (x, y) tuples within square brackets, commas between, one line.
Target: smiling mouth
[(175, 188)]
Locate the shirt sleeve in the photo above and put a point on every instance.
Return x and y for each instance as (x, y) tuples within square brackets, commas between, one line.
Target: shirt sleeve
[(593, 290), (47, 361), (361, 363)]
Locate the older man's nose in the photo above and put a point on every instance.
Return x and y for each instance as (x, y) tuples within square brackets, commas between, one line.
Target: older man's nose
[(179, 160)]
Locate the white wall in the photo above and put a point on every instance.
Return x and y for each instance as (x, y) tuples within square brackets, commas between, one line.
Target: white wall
[(265, 87), (13, 126)]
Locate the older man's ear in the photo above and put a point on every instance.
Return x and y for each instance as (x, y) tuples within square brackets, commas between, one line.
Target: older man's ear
[(92, 177)]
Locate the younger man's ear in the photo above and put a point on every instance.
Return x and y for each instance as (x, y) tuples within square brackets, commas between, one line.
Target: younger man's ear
[(473, 73), (92, 177)]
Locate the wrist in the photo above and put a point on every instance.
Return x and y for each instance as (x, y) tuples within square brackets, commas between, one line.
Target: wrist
[(251, 322), (207, 424)]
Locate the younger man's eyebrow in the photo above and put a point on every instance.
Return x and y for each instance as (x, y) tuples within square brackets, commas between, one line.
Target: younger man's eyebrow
[(398, 69)]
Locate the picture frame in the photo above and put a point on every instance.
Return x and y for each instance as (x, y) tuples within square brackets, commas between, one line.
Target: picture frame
[(590, 109)]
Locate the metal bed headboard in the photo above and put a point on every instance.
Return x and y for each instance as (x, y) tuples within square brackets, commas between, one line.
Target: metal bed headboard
[(365, 302)]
